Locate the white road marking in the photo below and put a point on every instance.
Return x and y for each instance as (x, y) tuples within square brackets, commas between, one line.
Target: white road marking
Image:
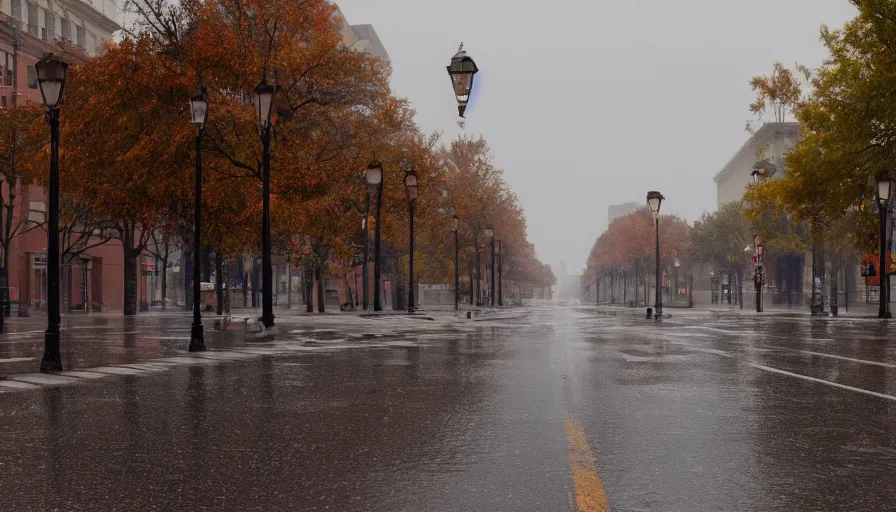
[(16, 359), (821, 381), (861, 361)]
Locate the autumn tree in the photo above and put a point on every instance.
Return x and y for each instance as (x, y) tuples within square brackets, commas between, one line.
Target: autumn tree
[(22, 137)]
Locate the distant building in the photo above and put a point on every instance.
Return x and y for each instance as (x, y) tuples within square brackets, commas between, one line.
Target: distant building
[(620, 210), (361, 37), (770, 143)]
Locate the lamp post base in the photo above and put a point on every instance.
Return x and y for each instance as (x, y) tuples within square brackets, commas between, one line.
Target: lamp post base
[(267, 320), (52, 360), (197, 338)]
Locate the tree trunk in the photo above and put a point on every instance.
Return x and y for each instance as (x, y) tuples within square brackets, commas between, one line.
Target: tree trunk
[(730, 287), (309, 290), (206, 266), (635, 275), (130, 278), (472, 293), (164, 273), (219, 282), (245, 289), (321, 296), (254, 284), (478, 278), (188, 280), (834, 293), (69, 285), (624, 289)]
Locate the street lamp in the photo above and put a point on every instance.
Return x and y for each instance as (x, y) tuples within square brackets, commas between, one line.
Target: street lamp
[(758, 276), (264, 105), (410, 187), (51, 80), (654, 201), (199, 116), (456, 228), (885, 190), (462, 70), (490, 233), (374, 177)]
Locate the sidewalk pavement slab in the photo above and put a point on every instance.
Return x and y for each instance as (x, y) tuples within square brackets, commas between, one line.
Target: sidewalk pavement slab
[(43, 379), (189, 360), (82, 374), (118, 370), (16, 385), (226, 356)]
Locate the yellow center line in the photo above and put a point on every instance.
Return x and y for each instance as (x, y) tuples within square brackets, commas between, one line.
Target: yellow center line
[(589, 492)]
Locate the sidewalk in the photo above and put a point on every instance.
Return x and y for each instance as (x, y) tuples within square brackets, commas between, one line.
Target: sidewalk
[(749, 309), (91, 340)]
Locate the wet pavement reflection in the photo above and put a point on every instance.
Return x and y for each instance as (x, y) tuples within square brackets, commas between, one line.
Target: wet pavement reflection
[(91, 341), (698, 412)]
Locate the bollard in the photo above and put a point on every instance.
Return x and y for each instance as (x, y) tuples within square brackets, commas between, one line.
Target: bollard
[(649, 313)]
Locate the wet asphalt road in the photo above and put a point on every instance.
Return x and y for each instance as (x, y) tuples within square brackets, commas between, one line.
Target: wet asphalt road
[(539, 409)]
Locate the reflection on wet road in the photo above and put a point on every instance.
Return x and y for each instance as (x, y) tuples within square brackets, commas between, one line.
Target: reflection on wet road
[(536, 409)]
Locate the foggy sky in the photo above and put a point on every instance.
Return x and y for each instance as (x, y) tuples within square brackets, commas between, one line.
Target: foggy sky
[(587, 103)]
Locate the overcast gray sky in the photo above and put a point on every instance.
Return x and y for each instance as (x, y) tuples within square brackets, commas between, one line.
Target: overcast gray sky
[(587, 103)]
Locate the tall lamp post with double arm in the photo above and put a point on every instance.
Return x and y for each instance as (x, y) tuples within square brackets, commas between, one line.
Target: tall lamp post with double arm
[(51, 74)]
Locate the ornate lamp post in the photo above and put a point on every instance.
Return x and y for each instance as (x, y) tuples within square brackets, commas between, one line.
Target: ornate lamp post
[(462, 70), (760, 172), (885, 190), (51, 81), (199, 116), (410, 186), (654, 201), (456, 228), (375, 182), (264, 106), (490, 234)]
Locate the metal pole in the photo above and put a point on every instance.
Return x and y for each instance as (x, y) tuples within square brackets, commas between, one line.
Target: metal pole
[(411, 263), (500, 258), (267, 281), (197, 337), (659, 277), (52, 360), (456, 271), (364, 270), (882, 269), (491, 290), (376, 248)]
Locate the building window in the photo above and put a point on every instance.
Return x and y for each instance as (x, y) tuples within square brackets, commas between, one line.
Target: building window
[(49, 25), (7, 69), (81, 35), (16, 9), (32, 13), (37, 211), (91, 43), (5, 62), (66, 29)]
